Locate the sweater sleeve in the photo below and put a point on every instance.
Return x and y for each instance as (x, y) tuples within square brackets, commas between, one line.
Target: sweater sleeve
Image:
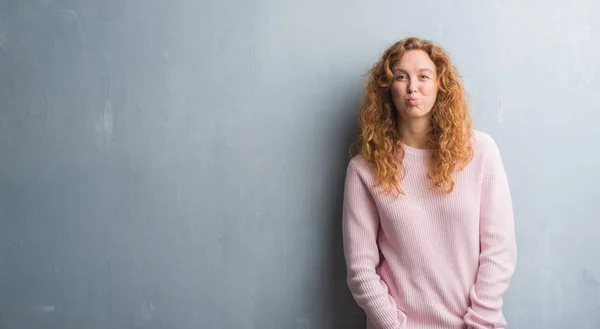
[(498, 253), (360, 227)]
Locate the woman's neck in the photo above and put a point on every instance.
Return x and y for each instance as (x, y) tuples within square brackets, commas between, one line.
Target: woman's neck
[(414, 133)]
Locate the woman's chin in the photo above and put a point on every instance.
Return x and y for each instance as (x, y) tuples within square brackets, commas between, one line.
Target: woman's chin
[(414, 113)]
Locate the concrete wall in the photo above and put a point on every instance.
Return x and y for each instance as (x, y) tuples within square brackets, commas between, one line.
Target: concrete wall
[(180, 164)]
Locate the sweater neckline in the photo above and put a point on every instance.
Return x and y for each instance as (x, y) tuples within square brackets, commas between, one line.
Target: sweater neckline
[(415, 151)]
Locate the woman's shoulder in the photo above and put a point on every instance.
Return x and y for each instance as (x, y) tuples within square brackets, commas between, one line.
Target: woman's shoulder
[(484, 146), (358, 162), (360, 165), (482, 142), (481, 138)]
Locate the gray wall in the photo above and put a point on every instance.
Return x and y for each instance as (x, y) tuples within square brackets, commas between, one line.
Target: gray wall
[(180, 164)]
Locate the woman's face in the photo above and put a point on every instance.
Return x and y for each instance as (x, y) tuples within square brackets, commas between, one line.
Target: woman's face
[(415, 87)]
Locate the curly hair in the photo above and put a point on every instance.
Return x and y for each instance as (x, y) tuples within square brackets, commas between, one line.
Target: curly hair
[(449, 136)]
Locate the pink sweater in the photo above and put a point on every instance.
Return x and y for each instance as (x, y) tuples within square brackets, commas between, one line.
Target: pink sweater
[(430, 260)]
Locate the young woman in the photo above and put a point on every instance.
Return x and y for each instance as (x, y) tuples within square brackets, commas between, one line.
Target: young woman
[(428, 223)]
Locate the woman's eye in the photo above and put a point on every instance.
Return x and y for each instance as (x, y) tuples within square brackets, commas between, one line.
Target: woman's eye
[(401, 77), (424, 77)]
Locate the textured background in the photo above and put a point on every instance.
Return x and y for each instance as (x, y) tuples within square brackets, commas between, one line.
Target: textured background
[(180, 164)]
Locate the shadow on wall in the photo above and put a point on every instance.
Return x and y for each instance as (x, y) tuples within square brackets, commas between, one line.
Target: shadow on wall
[(346, 314)]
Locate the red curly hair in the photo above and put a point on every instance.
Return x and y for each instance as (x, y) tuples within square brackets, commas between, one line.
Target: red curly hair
[(449, 136)]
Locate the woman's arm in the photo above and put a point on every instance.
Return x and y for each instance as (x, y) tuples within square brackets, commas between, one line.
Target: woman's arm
[(360, 227), (498, 255)]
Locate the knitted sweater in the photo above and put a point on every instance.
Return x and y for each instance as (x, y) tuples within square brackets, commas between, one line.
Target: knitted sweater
[(429, 259)]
